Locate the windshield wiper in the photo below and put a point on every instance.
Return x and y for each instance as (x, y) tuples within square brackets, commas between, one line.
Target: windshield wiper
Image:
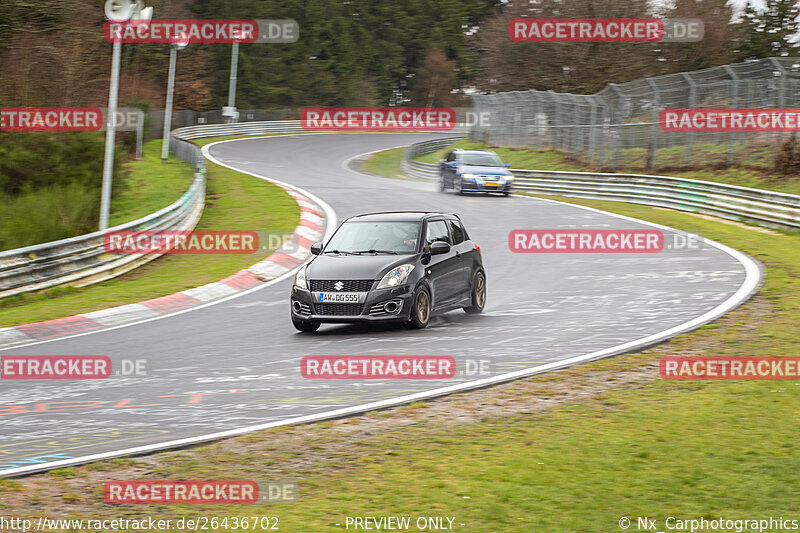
[(337, 252), (376, 252)]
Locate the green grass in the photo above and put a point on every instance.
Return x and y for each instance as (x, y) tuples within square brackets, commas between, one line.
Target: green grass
[(742, 175), (68, 209), (151, 185), (233, 202), (385, 163)]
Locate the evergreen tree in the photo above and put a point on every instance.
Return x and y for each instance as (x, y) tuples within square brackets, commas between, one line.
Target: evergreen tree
[(768, 32)]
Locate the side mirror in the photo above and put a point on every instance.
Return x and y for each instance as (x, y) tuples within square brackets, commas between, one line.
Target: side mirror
[(439, 247), (507, 165), (316, 248)]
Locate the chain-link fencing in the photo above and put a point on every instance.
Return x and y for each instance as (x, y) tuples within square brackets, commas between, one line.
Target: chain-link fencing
[(618, 127)]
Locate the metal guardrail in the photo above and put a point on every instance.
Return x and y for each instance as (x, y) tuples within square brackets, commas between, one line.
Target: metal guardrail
[(83, 260), (767, 208), (239, 128), (418, 169), (260, 128)]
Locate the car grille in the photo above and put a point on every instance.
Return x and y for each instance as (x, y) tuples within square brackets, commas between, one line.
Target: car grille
[(350, 285), (338, 309)]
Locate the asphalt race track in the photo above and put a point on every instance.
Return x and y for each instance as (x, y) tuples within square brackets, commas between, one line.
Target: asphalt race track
[(235, 364)]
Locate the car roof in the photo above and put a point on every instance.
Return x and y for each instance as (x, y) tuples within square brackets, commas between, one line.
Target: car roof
[(462, 151), (400, 216)]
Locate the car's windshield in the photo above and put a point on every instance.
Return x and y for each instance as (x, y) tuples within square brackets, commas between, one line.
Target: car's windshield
[(378, 237), (482, 160)]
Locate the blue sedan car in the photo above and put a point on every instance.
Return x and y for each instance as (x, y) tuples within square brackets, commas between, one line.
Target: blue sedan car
[(475, 171)]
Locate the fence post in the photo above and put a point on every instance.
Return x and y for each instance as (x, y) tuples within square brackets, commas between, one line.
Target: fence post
[(734, 101), (576, 141), (557, 119), (781, 94), (692, 105), (592, 129), (618, 136), (653, 143)]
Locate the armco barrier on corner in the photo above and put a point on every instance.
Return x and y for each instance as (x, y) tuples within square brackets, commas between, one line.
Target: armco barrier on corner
[(766, 208)]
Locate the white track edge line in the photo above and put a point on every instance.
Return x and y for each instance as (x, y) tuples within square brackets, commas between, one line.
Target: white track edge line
[(753, 278)]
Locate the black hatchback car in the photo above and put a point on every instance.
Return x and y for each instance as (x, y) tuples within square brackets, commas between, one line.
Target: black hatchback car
[(390, 267)]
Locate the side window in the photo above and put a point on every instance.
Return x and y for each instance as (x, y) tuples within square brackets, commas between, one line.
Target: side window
[(437, 231), (458, 232), (451, 156)]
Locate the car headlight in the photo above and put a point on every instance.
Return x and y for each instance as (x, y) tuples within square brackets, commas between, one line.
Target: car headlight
[(396, 276), (509, 179), (469, 176), (300, 278)]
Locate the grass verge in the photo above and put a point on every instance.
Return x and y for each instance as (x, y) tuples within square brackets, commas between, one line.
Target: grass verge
[(385, 163), (744, 176), (574, 450), (151, 185), (233, 202)]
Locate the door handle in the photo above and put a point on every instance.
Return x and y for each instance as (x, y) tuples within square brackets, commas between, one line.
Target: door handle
[(458, 254)]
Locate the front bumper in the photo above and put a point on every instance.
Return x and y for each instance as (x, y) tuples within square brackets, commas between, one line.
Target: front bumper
[(369, 311), (472, 186)]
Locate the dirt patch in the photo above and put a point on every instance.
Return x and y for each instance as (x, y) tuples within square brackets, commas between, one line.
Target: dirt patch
[(759, 229)]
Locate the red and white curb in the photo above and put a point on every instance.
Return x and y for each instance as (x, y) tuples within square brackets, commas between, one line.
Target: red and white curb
[(316, 221)]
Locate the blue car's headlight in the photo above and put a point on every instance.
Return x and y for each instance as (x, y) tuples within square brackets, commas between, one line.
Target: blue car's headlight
[(470, 177), (396, 276)]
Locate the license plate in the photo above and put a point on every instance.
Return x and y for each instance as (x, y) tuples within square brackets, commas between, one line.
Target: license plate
[(340, 297), (491, 184)]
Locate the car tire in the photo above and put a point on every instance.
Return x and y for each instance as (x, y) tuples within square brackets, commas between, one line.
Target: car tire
[(478, 294), (441, 182), (421, 310), (506, 193), (304, 326), (457, 185)]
